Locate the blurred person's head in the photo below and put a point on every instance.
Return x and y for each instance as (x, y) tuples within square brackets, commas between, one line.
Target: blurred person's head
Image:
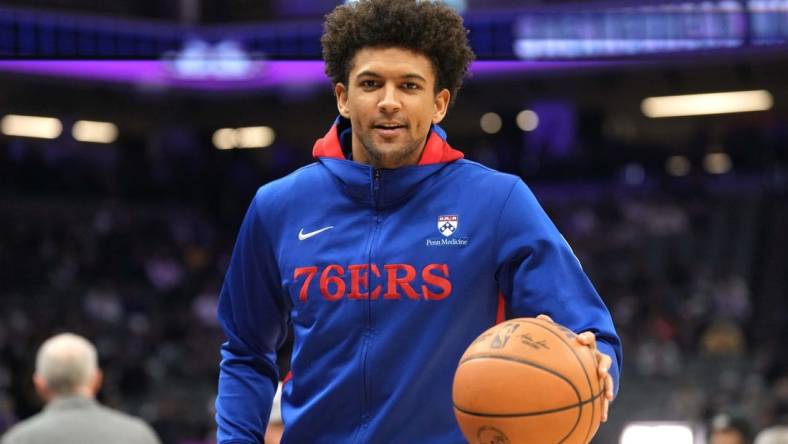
[(396, 66), (67, 365), (773, 435), (727, 429)]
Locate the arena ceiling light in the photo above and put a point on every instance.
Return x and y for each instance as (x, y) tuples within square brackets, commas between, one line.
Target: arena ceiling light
[(95, 132), (224, 139), (677, 166), (717, 163), (527, 120), (31, 126), (711, 103), (657, 433), (491, 123), (247, 137), (254, 137)]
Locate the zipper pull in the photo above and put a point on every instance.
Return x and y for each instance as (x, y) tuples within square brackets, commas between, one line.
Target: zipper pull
[(376, 189), (376, 179)]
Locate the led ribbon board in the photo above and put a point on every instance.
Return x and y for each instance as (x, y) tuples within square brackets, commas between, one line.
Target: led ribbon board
[(650, 29)]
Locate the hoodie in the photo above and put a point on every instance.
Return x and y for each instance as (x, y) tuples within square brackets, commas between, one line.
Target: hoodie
[(386, 277)]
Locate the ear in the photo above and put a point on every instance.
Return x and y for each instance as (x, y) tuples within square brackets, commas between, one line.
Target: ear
[(42, 388), (98, 379), (442, 100), (340, 91)]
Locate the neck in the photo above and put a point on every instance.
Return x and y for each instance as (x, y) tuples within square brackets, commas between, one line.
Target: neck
[(87, 392), (84, 392)]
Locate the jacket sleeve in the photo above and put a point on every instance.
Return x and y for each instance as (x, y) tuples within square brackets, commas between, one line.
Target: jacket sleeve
[(253, 314), (539, 274)]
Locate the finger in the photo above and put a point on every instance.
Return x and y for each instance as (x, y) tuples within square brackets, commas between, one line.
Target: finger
[(587, 338), (607, 383), (605, 379), (603, 365), (546, 318)]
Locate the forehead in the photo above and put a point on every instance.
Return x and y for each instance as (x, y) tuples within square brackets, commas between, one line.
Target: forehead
[(391, 62)]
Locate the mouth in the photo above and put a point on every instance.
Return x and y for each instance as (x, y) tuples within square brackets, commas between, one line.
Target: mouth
[(389, 129), (389, 125)]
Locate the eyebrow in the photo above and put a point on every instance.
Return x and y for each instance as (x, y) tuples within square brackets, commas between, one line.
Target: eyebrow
[(368, 73)]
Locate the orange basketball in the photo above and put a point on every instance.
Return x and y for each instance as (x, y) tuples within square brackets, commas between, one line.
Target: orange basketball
[(527, 381)]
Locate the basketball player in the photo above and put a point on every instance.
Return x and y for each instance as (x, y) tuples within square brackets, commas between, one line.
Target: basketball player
[(67, 378), (389, 254)]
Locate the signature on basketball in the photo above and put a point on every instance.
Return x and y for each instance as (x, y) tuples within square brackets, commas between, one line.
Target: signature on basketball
[(526, 339), (502, 337), (491, 435)]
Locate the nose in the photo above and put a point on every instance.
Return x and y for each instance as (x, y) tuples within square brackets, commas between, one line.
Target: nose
[(389, 102)]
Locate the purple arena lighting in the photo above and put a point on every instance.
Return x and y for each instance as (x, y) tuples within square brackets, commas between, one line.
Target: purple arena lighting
[(293, 75)]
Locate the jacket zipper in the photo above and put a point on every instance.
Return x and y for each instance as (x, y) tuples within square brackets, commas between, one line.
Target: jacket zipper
[(367, 336)]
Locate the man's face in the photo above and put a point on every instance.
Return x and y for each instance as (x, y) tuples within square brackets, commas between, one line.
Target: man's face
[(391, 102)]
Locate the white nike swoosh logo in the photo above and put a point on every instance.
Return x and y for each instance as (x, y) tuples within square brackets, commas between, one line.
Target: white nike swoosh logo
[(302, 235)]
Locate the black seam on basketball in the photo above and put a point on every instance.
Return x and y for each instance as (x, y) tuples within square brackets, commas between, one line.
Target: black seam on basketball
[(516, 415), (540, 367), (588, 379)]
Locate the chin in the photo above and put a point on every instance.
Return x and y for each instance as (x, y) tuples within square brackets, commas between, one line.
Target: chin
[(390, 154)]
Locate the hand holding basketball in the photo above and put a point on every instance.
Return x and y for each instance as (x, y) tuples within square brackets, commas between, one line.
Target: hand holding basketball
[(603, 365), (533, 381)]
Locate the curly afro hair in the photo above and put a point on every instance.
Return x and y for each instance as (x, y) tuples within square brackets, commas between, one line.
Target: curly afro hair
[(423, 26)]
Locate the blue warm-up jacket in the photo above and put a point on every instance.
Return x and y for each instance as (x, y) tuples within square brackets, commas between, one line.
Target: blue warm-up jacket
[(386, 277)]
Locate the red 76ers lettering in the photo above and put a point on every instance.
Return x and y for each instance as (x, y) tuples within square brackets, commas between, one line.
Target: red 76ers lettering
[(400, 280)]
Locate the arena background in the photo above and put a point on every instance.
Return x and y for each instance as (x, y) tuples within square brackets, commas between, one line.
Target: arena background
[(122, 232)]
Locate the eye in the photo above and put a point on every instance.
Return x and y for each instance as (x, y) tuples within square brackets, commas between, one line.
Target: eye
[(368, 84), (410, 85)]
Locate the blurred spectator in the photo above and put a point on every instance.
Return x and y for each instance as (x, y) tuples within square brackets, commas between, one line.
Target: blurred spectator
[(723, 338), (773, 435), (727, 429), (67, 378), (732, 298)]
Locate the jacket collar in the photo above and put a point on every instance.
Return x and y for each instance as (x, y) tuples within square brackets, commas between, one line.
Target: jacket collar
[(381, 187)]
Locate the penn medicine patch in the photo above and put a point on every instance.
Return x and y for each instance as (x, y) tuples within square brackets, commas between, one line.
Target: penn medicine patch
[(448, 224)]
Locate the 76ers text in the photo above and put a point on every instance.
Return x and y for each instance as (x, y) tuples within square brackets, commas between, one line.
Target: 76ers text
[(399, 280)]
